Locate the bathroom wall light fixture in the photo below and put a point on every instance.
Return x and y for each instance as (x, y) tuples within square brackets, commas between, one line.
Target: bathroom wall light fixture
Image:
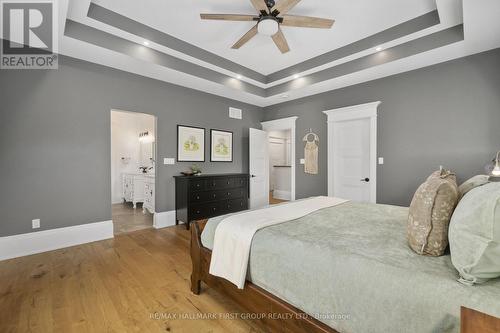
[(146, 137)]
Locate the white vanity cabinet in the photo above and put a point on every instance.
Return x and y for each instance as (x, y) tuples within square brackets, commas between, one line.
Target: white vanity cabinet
[(139, 188), (133, 188), (149, 194)]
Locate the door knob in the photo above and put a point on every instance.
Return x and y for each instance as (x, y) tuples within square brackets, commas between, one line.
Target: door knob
[(365, 180)]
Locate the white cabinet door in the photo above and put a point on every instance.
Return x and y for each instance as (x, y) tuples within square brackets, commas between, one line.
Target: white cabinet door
[(259, 168), (128, 187), (138, 189), (149, 196)]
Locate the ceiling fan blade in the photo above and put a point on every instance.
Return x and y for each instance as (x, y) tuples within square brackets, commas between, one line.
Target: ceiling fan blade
[(307, 22), (280, 41), (246, 37), (228, 17), (260, 5), (284, 6)]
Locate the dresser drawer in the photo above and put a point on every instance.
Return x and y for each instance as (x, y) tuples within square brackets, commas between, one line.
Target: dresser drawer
[(236, 205), (220, 183), (195, 197), (197, 185), (234, 193), (198, 212), (209, 196), (215, 209), (208, 210), (241, 182)]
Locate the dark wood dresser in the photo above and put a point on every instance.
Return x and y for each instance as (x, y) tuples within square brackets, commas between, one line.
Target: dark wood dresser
[(202, 197)]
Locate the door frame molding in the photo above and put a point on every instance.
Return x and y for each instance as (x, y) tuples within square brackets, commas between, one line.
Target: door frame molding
[(362, 111), (288, 123)]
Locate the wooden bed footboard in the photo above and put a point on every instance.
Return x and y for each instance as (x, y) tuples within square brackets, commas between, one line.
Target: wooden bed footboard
[(287, 318), (472, 321)]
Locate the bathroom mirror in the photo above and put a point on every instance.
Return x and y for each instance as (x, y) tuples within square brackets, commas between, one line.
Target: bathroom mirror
[(147, 154)]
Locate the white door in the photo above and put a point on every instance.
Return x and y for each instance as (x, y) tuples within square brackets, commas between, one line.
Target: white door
[(259, 168), (351, 160)]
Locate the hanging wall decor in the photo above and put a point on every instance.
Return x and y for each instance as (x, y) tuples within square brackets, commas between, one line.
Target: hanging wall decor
[(221, 146), (190, 144), (311, 151)]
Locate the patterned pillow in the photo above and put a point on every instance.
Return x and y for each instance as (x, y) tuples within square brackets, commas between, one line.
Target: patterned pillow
[(430, 213)]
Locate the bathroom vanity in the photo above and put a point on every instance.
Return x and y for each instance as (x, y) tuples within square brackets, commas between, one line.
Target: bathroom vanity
[(139, 188)]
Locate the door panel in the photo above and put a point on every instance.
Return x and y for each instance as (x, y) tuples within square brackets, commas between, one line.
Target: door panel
[(351, 166), (259, 168)]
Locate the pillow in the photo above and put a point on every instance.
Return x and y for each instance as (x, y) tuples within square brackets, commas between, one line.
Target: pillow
[(430, 213), (475, 235), (472, 183)]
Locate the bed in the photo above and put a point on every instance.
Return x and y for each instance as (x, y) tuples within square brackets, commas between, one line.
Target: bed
[(346, 269)]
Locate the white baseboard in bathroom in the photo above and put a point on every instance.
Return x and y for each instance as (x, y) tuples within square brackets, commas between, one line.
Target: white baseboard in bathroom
[(53, 239), (282, 195), (164, 219)]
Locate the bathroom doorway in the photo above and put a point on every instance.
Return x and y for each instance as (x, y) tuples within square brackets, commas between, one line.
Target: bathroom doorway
[(281, 140), (280, 168), (133, 170)]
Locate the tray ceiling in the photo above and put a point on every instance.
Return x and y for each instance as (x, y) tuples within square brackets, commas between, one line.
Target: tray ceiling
[(187, 51)]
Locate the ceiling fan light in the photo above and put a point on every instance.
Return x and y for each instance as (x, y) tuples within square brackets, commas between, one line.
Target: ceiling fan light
[(268, 26)]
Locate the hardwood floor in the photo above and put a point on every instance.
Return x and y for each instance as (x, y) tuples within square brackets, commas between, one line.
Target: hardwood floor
[(273, 201), (136, 282), (127, 219)]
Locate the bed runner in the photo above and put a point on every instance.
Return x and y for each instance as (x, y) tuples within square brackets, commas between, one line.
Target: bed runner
[(233, 236)]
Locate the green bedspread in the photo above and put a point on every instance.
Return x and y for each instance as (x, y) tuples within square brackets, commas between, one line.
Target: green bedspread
[(351, 267)]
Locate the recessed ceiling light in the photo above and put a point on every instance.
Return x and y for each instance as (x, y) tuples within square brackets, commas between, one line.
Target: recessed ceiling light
[(296, 76), (146, 43), (238, 77), (378, 48)]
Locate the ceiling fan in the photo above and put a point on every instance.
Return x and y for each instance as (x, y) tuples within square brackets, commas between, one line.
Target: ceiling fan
[(269, 21)]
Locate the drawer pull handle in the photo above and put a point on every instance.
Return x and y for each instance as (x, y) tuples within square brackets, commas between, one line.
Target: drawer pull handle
[(197, 197)]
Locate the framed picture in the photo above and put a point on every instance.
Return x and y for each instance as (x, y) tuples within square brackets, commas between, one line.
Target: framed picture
[(221, 146), (190, 144)]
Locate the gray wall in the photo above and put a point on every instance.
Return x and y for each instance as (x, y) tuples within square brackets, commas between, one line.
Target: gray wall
[(55, 126), (55, 147), (448, 114)]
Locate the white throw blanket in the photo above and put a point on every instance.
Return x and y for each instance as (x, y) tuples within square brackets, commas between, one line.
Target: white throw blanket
[(233, 236)]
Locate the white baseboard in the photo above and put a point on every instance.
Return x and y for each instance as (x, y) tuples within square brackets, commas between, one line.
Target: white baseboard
[(48, 240), (164, 219), (282, 195)]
